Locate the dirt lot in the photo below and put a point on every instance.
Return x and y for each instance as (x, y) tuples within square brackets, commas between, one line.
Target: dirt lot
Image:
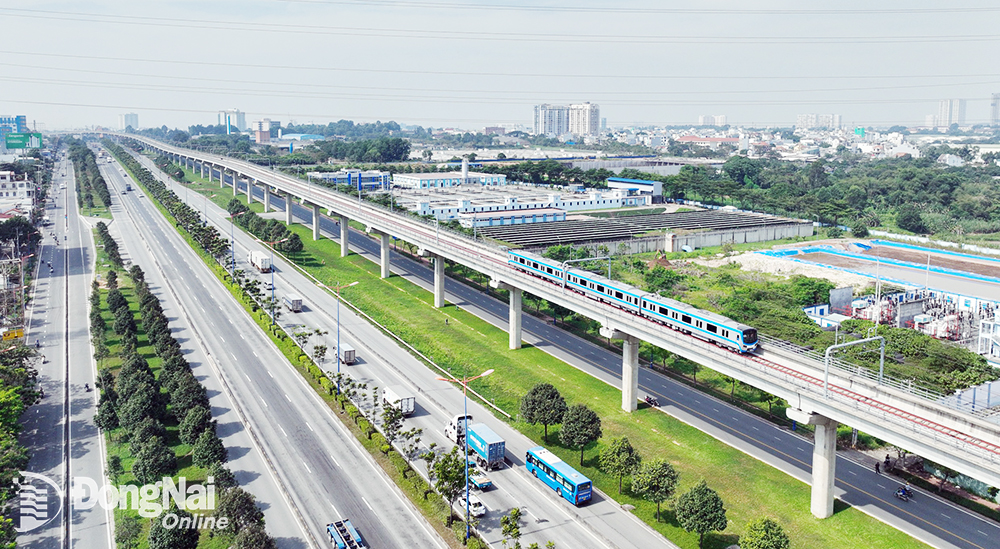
[(980, 267), (786, 268)]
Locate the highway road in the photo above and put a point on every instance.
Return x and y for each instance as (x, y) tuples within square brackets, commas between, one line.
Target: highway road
[(60, 429), (382, 362), (324, 471), (926, 517)]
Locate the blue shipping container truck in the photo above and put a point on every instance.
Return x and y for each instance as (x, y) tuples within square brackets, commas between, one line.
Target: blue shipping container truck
[(490, 449)]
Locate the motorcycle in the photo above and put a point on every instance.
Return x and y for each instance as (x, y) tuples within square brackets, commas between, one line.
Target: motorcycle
[(904, 493), (651, 401), (86, 387)]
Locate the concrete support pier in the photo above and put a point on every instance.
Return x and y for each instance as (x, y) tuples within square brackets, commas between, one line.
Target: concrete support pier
[(267, 198), (384, 240), (630, 367), (288, 208), (630, 373), (315, 209), (250, 185), (236, 185), (824, 465), (514, 319), (438, 281), (345, 233), (513, 314)]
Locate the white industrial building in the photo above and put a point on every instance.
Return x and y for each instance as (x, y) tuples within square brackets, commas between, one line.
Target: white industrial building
[(369, 180), (446, 207), (15, 192), (448, 179), (511, 217)]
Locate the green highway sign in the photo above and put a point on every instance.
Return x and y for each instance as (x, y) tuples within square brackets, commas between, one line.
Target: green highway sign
[(23, 140)]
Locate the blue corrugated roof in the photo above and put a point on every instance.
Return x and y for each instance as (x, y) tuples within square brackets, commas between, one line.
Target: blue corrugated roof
[(624, 180)]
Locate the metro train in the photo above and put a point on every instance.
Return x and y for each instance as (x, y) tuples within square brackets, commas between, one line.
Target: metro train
[(679, 316)]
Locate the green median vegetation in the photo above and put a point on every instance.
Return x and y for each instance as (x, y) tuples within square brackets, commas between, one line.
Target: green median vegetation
[(468, 345), (156, 415)]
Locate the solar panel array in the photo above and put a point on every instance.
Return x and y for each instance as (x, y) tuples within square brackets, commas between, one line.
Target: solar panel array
[(534, 235)]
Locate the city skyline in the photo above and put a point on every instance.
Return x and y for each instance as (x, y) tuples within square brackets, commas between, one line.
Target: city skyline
[(364, 62)]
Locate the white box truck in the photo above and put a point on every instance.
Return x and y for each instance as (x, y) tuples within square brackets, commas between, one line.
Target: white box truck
[(260, 260), (347, 354), (398, 396), (293, 303)]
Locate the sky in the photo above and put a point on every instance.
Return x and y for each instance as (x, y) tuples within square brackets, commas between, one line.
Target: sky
[(475, 63)]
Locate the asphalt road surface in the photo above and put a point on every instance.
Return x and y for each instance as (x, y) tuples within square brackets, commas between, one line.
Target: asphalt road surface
[(926, 517), (323, 470), (382, 361), (59, 431)]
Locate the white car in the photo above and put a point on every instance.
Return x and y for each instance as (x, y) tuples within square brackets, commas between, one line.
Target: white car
[(476, 507)]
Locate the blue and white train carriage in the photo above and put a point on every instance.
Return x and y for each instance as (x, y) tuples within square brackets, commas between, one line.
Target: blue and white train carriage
[(682, 317)]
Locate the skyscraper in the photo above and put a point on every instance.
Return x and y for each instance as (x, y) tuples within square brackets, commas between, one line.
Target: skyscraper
[(584, 119), (951, 111), (551, 120), (233, 118), (995, 110), (129, 119)]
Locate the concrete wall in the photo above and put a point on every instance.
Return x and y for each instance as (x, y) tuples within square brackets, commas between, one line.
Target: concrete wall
[(673, 243), (741, 236)]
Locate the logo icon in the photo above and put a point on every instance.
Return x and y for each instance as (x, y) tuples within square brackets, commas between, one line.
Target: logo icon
[(40, 501)]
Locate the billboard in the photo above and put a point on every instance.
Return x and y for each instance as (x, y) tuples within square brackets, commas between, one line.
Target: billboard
[(23, 140)]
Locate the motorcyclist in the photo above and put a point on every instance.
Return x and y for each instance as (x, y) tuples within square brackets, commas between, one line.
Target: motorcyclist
[(86, 387), (38, 344)]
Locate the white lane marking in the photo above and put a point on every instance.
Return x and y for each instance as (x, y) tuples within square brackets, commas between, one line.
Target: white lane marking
[(283, 431), (269, 373), (945, 516), (265, 403), (334, 460), (307, 467), (373, 510), (241, 336), (254, 353), (853, 473), (286, 397), (309, 426), (336, 513), (220, 337), (980, 531)]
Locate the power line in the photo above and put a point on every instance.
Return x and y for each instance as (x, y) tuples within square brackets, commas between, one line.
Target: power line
[(296, 87), (484, 35), (670, 11), (477, 99), (602, 76)]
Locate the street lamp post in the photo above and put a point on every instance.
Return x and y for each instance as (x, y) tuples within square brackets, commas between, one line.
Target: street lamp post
[(338, 288), (232, 240), (465, 396), (272, 245)]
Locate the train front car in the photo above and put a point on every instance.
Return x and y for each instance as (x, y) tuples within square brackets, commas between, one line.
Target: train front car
[(749, 342)]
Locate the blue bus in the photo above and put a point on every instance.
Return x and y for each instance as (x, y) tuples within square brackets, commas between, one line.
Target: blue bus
[(558, 475)]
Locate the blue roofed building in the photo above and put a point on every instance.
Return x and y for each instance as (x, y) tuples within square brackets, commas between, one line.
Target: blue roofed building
[(636, 186)]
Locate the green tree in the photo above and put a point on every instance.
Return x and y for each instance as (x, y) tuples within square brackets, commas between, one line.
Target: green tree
[(659, 279), (209, 449), (764, 533), (106, 418), (153, 462), (700, 510), (909, 219), (543, 404), (859, 229), (145, 430), (392, 421), (241, 508), (161, 537), (127, 531), (581, 426), (656, 481), (223, 477), (196, 422), (449, 477), (254, 537), (620, 459), (115, 469), (742, 170), (510, 526)]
